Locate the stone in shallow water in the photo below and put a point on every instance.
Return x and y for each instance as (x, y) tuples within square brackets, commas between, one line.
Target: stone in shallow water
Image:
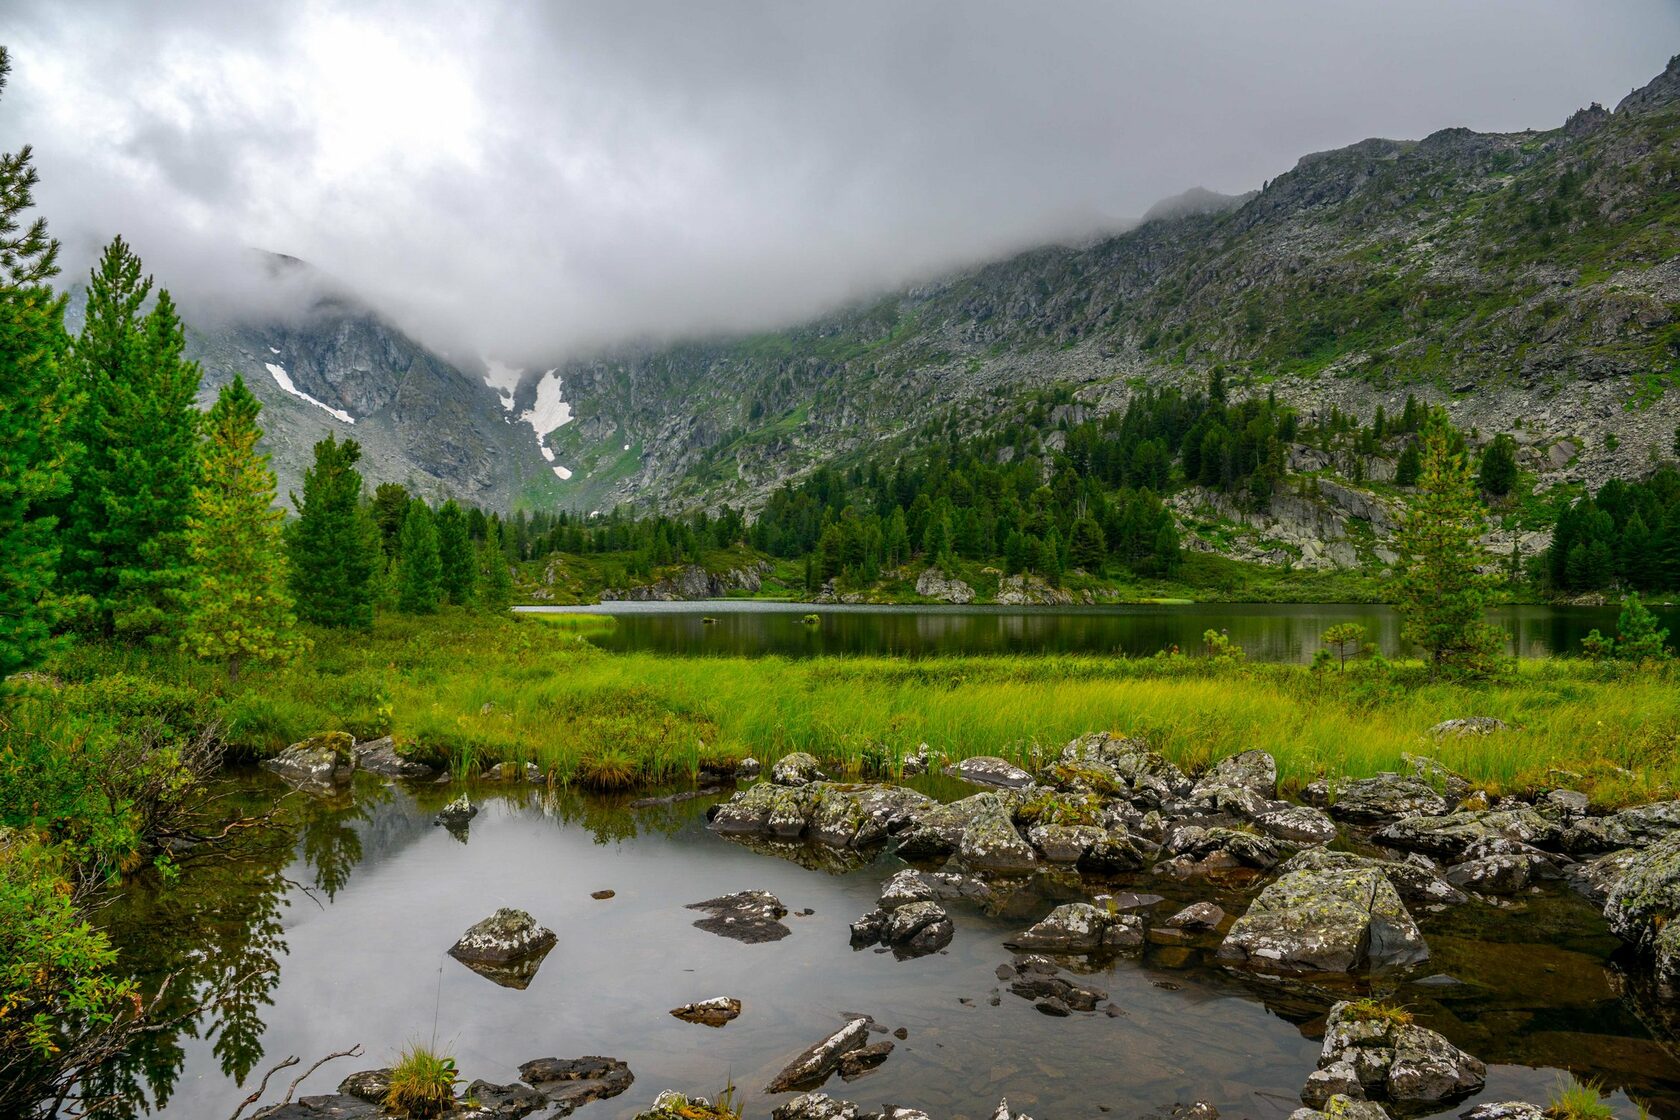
[(506, 948), (1079, 927), (457, 814), (796, 769), (570, 1083), (750, 916), (989, 770), (714, 1012), (379, 756), (1330, 920), (814, 1106), (499, 1102), (820, 1060), (317, 764)]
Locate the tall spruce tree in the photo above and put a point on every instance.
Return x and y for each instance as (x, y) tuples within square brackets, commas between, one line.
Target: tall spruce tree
[(238, 607), (419, 572), (33, 405), (495, 589), (1440, 593), (456, 559), (331, 544)]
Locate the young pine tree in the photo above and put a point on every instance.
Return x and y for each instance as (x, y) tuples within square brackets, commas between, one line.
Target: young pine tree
[(238, 608), (495, 587), (1498, 472), (33, 405), (1439, 592), (419, 572), (455, 554), (331, 543), (1406, 471)]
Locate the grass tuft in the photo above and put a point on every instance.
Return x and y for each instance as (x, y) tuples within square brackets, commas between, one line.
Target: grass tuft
[(422, 1084)]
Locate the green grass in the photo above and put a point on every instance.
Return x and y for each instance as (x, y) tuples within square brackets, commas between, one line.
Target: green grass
[(1578, 1100), (481, 689), (422, 1084)]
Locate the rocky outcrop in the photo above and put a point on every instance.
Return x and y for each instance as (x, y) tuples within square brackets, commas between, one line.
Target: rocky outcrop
[(317, 764), (379, 756), (571, 1083), (935, 584), (796, 769), (750, 916), (1079, 927), (1449, 837), (910, 929), (1643, 903), (989, 770), (692, 582), (1326, 919), (1376, 1053), (1383, 799)]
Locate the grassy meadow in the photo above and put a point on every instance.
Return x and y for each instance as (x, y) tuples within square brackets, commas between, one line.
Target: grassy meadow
[(466, 690)]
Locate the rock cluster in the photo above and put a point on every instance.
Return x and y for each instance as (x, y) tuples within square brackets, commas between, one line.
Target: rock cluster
[(1374, 1053), (324, 763)]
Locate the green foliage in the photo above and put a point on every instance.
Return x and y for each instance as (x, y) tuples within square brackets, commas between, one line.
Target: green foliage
[(1638, 636), (1498, 473), (1578, 1100), (33, 407), (1217, 644), (458, 567), (1369, 1009), (1439, 592), (419, 571), (1628, 534), (331, 544), (1344, 638), (390, 505), (238, 607), (495, 585), (422, 1084), (1410, 465)]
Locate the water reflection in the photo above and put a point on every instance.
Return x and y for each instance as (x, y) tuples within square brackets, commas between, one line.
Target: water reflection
[(1269, 632)]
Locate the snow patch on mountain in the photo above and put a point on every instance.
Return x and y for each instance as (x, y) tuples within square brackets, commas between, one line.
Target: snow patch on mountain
[(284, 380), (504, 379)]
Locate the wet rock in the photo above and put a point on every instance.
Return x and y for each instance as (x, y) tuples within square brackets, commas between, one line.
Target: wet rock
[(499, 1102), (814, 1106), (1117, 850), (1036, 979), (570, 1083), (1198, 917), (317, 763), (507, 947), (1642, 824), (457, 814), (750, 916), (1384, 798), (1595, 878), (1416, 877), (714, 1012), (370, 1085), (796, 769), (990, 842), (514, 772), (1504, 1110), (602, 896), (891, 808), (1333, 919), (989, 770), (1499, 867), (1642, 905), (859, 1062), (1252, 770), (332, 1106), (379, 756), (748, 769), (1148, 775), (1472, 725), (1298, 824), (1447, 837), (917, 929), (936, 829), (1342, 1107), (1453, 785), (1079, 927), (1390, 1059), (817, 1062), (1064, 843), (1227, 847), (910, 885)]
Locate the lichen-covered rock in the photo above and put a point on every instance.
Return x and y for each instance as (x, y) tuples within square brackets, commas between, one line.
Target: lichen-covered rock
[(1595, 878), (1472, 725), (916, 929), (989, 770), (1342, 1107), (1640, 825), (990, 842), (1296, 824), (1224, 846), (1389, 1058), (1198, 917), (370, 1085), (814, 1106), (838, 820), (320, 762), (1325, 920), (457, 814), (1252, 770), (571, 1083), (1416, 878), (1386, 797), (379, 756), (1642, 905), (714, 1012), (750, 916), (1064, 843), (936, 829), (506, 935), (1498, 868), (486, 1100), (1079, 927), (1117, 850), (796, 769), (748, 769), (768, 809), (1447, 837), (1505, 1110), (817, 1062), (1146, 773)]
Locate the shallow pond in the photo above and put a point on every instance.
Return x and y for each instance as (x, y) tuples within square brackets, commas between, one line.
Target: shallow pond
[(1267, 631), (355, 904)]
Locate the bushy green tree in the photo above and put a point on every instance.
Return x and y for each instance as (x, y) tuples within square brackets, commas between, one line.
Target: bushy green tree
[(419, 572), (1345, 638), (1639, 637), (1498, 472), (33, 405), (495, 588), (456, 558), (1440, 591), (331, 544), (1088, 548), (1406, 471), (390, 503), (238, 607)]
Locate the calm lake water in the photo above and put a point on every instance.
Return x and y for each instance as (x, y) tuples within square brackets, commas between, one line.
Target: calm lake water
[(1270, 632), (343, 919)]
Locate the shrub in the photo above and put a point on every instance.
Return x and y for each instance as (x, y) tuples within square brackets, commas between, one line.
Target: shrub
[(1578, 1100), (608, 771), (422, 1084)]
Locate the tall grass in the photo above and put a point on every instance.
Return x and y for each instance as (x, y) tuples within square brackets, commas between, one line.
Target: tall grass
[(467, 691)]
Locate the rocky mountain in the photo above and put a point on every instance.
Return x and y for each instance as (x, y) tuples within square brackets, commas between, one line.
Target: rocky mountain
[(1527, 281)]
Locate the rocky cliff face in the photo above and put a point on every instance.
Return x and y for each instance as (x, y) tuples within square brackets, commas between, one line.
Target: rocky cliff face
[(1529, 282)]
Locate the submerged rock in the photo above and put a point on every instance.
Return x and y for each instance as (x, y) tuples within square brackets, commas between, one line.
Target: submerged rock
[(989, 770), (856, 1063), (820, 1060), (1036, 979), (714, 1012), (1331, 919), (750, 916), (320, 763), (1079, 927), (570, 1083)]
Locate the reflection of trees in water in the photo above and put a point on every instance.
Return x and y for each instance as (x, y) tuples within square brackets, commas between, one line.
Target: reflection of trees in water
[(607, 819)]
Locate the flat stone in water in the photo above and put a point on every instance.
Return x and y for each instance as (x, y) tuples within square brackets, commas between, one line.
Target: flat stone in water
[(753, 917), (569, 1083)]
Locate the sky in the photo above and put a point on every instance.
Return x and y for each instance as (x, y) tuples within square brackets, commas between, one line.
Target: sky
[(534, 182)]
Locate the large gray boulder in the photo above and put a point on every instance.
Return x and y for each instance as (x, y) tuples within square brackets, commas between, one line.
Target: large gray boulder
[(1333, 919), (990, 842), (989, 770), (796, 769), (1079, 927), (1448, 837), (506, 935), (1148, 775), (318, 763), (1416, 878), (817, 1062), (1641, 907), (1342, 1107), (571, 1083), (1384, 798), (1252, 770), (1374, 1052)]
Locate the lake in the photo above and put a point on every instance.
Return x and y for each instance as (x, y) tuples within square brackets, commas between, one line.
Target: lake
[(338, 927), (1267, 631)]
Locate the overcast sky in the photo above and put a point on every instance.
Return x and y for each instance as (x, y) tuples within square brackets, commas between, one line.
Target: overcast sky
[(530, 180)]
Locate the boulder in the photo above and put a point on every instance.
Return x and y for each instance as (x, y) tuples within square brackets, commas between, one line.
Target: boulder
[(748, 769), (1597, 877), (514, 772), (1325, 920), (1342, 1107), (1252, 770), (990, 842), (934, 584), (1198, 917), (750, 916), (796, 769), (1224, 847), (1035, 978), (370, 1085), (1117, 850), (817, 1062), (1370, 1052), (989, 770), (775, 810), (1452, 785), (1448, 837), (714, 1012), (1079, 927), (936, 829), (1642, 905), (1064, 843), (1416, 878), (1642, 824), (1296, 824), (811, 1106), (506, 948), (1471, 725), (917, 929), (1505, 1110), (318, 763), (856, 1063), (457, 814), (910, 885), (1146, 773), (379, 756), (570, 1083), (489, 1101), (1384, 798)]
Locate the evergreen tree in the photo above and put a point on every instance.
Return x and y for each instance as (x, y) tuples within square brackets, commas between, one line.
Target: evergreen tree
[(390, 502), (898, 538), (495, 588), (1439, 592), (238, 608), (1406, 471), (419, 572), (1088, 548), (33, 404), (455, 554), (1638, 636), (331, 543), (1499, 466)]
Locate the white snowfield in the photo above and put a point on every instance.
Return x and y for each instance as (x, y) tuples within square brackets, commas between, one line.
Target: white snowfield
[(548, 412), (284, 380)]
